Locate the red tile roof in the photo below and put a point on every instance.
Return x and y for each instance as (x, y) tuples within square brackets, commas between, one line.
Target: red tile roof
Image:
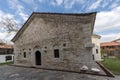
[(109, 44), (6, 46)]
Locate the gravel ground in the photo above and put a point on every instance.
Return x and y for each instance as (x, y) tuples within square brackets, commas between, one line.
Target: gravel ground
[(22, 73)]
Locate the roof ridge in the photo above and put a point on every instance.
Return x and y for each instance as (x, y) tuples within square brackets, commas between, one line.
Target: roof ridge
[(64, 13)]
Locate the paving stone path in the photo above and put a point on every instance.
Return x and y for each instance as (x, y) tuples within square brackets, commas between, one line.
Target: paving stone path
[(22, 73)]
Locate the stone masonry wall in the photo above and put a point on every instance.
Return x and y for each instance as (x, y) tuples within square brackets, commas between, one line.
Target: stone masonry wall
[(47, 32)]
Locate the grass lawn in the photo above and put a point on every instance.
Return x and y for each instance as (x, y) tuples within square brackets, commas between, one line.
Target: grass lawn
[(112, 64), (6, 63)]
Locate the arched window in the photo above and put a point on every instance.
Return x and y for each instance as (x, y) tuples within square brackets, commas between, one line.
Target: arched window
[(56, 53)]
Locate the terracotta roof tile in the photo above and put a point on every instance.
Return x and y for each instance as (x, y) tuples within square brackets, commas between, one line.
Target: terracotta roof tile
[(109, 44), (6, 46)]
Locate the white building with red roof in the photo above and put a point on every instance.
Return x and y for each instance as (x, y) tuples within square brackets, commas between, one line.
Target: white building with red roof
[(111, 48), (6, 53)]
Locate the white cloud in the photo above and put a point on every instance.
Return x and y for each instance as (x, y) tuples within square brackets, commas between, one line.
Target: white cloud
[(3, 35), (13, 3), (59, 2), (20, 10), (5, 15), (108, 20), (34, 4), (90, 5), (110, 37), (24, 16), (105, 3), (53, 3), (69, 3), (95, 5), (113, 5), (66, 3), (6, 36), (56, 2)]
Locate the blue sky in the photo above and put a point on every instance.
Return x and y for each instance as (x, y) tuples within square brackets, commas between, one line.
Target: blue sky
[(107, 21)]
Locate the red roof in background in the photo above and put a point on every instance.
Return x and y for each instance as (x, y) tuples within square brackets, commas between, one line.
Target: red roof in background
[(6, 46), (109, 44)]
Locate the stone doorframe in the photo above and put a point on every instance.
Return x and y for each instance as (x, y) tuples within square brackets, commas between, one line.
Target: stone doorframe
[(38, 58), (33, 56)]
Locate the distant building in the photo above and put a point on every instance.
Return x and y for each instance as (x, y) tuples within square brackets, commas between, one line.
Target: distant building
[(111, 48), (6, 53), (96, 48)]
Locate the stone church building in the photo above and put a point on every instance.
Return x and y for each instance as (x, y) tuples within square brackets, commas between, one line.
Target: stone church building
[(55, 41)]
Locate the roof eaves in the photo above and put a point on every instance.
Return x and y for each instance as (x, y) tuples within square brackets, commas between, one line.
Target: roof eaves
[(83, 14)]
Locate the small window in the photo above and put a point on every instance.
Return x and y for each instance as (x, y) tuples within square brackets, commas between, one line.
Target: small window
[(24, 54), (64, 44), (56, 53), (45, 47), (96, 50), (8, 58)]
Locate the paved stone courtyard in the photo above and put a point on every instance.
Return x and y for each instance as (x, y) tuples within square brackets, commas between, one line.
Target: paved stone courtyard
[(22, 73)]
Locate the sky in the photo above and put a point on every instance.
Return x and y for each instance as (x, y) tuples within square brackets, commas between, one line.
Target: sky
[(107, 23)]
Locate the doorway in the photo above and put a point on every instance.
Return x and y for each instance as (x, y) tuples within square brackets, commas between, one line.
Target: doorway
[(38, 58)]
